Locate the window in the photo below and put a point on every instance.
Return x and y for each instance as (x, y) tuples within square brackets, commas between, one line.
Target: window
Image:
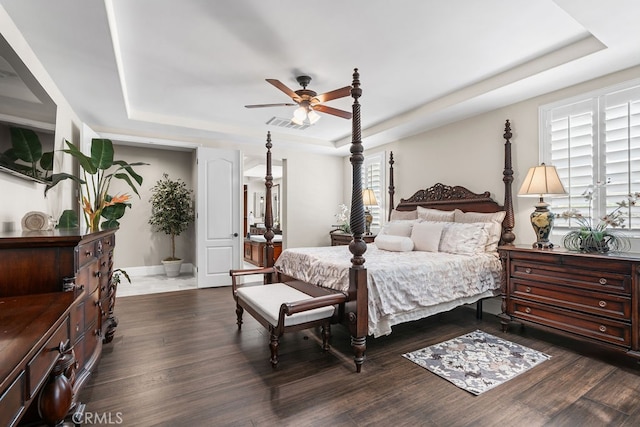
[(594, 143), (373, 177)]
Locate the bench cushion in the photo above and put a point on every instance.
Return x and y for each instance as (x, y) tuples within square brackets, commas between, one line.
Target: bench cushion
[(267, 299)]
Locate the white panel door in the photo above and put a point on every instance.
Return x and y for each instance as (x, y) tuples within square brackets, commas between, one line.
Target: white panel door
[(218, 226)]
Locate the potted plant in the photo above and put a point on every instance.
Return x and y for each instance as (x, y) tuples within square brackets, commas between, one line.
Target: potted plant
[(171, 213), (598, 237), (98, 170)]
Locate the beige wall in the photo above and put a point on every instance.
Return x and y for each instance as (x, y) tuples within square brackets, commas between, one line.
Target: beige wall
[(470, 152), (137, 245)]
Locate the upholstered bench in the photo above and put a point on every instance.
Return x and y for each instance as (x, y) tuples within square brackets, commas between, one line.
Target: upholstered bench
[(281, 308)]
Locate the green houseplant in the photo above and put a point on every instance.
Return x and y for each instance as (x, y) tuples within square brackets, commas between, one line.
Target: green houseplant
[(98, 170), (26, 155), (171, 213), (602, 236)]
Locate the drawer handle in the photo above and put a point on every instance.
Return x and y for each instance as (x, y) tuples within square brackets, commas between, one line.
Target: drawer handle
[(602, 281), (77, 327), (97, 274), (602, 328), (88, 253), (527, 289), (527, 310), (63, 348), (527, 270), (602, 304)]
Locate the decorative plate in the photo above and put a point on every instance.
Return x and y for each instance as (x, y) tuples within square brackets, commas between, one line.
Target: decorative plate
[(34, 221)]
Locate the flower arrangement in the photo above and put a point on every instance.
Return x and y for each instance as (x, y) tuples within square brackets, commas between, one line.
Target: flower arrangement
[(97, 174), (599, 237), (343, 218)]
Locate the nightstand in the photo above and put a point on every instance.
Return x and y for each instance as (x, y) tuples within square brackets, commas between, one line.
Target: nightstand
[(339, 238)]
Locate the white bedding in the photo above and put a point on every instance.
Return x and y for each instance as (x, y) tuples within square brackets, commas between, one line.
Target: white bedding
[(403, 286)]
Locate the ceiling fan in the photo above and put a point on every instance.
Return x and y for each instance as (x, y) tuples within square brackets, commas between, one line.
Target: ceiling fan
[(308, 101)]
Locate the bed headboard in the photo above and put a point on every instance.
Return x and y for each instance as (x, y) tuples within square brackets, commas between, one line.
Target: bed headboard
[(445, 197)]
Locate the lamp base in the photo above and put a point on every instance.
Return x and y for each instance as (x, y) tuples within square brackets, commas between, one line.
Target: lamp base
[(368, 218), (543, 245), (542, 222)]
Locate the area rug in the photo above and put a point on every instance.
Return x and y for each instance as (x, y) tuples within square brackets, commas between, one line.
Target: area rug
[(477, 362)]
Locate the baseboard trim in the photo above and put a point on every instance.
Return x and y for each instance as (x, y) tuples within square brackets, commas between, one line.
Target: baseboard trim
[(152, 270)]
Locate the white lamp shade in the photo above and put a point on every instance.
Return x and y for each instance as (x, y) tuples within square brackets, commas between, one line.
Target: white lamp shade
[(540, 181), (369, 197)]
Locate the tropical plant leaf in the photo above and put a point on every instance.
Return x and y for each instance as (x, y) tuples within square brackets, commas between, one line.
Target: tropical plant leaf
[(125, 177), (46, 161), (102, 153), (115, 211), (128, 167), (85, 162), (68, 219), (57, 177), (110, 223), (26, 144)]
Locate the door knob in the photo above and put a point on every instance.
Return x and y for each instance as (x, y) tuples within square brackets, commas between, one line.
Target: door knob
[(235, 234)]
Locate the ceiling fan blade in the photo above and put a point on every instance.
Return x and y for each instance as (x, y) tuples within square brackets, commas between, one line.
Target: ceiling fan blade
[(269, 105), (334, 94), (284, 88), (332, 111)]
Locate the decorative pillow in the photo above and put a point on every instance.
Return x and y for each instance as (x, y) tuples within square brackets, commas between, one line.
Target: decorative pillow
[(403, 215), (392, 243), (398, 228), (463, 238), (494, 230), (426, 236), (427, 214)]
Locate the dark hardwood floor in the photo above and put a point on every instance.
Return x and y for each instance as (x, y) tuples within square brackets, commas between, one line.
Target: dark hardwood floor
[(177, 359)]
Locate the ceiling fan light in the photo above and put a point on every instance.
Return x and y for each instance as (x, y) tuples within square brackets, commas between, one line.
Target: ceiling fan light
[(297, 122), (300, 114), (313, 117)]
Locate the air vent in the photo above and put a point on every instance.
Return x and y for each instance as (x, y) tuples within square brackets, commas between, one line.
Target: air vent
[(285, 123)]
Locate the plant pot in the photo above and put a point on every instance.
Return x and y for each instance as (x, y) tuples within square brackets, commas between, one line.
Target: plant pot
[(172, 267)]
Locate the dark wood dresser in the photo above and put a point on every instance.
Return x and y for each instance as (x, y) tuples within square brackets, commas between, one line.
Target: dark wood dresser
[(590, 296), (33, 263), (255, 252)]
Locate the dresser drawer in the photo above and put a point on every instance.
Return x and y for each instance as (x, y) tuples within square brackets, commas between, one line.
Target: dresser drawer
[(597, 303), (86, 253), (39, 367), (582, 278), (606, 330), (76, 322), (12, 401)]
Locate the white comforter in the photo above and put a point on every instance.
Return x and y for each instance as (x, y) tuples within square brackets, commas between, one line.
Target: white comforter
[(403, 286)]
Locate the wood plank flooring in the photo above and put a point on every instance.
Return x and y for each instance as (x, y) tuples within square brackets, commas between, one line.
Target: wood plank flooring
[(177, 359)]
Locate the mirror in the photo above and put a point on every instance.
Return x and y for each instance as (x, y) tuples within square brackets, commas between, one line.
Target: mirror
[(254, 173), (24, 105)]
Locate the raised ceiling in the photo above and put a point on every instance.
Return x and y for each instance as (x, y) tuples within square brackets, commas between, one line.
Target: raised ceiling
[(183, 70)]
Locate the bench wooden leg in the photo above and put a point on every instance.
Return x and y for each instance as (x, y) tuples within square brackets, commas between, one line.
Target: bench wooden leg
[(239, 311), (273, 345), (326, 335)]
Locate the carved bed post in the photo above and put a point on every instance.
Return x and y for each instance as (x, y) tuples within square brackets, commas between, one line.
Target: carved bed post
[(509, 220), (268, 215), (357, 316), (392, 188)]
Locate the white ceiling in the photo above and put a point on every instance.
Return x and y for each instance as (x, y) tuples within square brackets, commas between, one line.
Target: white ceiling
[(183, 70)]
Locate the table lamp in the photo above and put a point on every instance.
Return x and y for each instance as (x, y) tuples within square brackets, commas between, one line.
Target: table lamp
[(368, 199), (542, 181)]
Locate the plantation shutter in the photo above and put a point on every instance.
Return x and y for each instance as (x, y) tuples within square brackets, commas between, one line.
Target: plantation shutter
[(622, 147), (373, 178)]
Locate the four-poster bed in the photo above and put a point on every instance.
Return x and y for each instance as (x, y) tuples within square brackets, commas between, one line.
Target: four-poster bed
[(341, 290)]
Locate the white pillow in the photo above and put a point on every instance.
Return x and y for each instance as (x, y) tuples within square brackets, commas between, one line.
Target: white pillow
[(395, 215), (427, 214), (463, 238), (494, 229), (426, 236), (398, 228), (392, 243)]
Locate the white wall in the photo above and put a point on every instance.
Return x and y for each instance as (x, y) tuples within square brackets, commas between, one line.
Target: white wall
[(470, 152), (21, 196)]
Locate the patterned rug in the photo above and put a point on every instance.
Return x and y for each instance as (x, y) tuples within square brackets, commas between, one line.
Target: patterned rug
[(477, 361)]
